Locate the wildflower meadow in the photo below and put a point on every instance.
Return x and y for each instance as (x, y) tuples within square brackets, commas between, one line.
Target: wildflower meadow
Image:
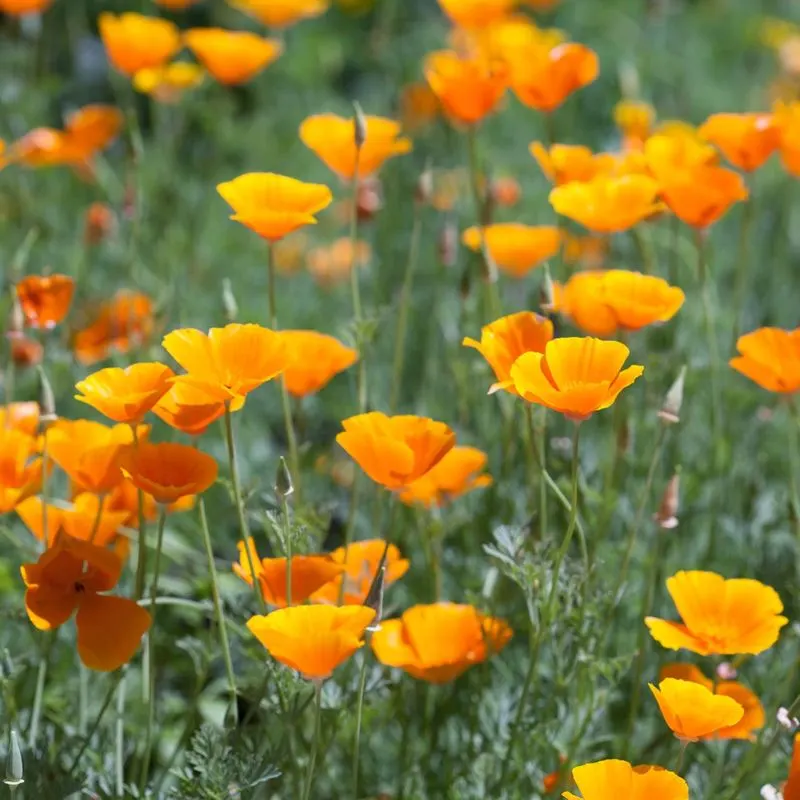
[(398, 399)]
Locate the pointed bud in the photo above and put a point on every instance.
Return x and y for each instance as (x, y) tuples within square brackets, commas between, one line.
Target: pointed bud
[(16, 318), (13, 761), (424, 189), (548, 294), (374, 598), (448, 244), (360, 123), (229, 304), (667, 514), (283, 480), (670, 411), (47, 401)]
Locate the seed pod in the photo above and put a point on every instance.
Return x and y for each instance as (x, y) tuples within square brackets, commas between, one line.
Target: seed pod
[(229, 304), (283, 480), (47, 401), (13, 762), (16, 318), (374, 598), (667, 514), (548, 297), (670, 411), (424, 188), (360, 124)]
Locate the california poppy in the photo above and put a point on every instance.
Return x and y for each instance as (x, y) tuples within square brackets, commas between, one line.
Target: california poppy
[(45, 299), (786, 117), (475, 13), (125, 499), (273, 205), (791, 789), (459, 472), (23, 417), (99, 223), (168, 83), (332, 264), (618, 780), (31, 512), (20, 7), (71, 576), (720, 617), (564, 163), (228, 363), (134, 42), (20, 468), (395, 451), (42, 147), (313, 640), (746, 140), (608, 204), (505, 191), (668, 153), (281, 13), (91, 129), (635, 121), (86, 519), (168, 471), (125, 395), (514, 247), (232, 57), (314, 359), (702, 195), (771, 358), (191, 409), (439, 642), (575, 376)]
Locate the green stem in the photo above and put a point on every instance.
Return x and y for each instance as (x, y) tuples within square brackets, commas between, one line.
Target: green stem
[(743, 257), (355, 288), (83, 698), (794, 421), (287, 543), (141, 560), (362, 685), (537, 447), (119, 749), (315, 742), (44, 492), (97, 720), (645, 250), (97, 517), (38, 698)]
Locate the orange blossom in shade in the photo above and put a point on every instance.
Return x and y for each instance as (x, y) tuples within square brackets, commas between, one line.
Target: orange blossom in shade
[(564, 163), (45, 299), (786, 117), (313, 640), (273, 205), (361, 561), (228, 363), (791, 789), (574, 376), (439, 642), (176, 5), (314, 359), (125, 498), (309, 573), (84, 520), (281, 13), (191, 409), (458, 473), (333, 140), (92, 128), (469, 89), (515, 248), (332, 264), (753, 718), (476, 13), (618, 780), (125, 395), (134, 42), (20, 469), (719, 616), (746, 140), (168, 471), (395, 451), (771, 358), (232, 57), (42, 147), (23, 417), (608, 204), (635, 120), (71, 576), (20, 7), (167, 83), (506, 339), (692, 711)]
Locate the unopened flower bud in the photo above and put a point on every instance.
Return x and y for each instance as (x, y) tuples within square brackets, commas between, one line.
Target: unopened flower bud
[(369, 198), (16, 319), (667, 514), (424, 188), (229, 304), (47, 401), (374, 598), (13, 761), (360, 125), (283, 480), (448, 244), (783, 718), (726, 671), (671, 407), (548, 295)]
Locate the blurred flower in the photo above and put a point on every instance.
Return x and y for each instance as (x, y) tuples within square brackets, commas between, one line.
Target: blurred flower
[(168, 471), (395, 451), (515, 248), (574, 376), (288, 253), (281, 13), (608, 205), (456, 474), (635, 120), (786, 118), (20, 469), (85, 519), (506, 40), (506, 339), (588, 252), (313, 640), (45, 299), (771, 358), (134, 42), (42, 147), (475, 13), (746, 140), (69, 577), (309, 573), (125, 498), (167, 83), (99, 222), (791, 789), (23, 417), (332, 139), (692, 711), (125, 395), (332, 264), (469, 89), (314, 359), (564, 163), (176, 5), (273, 205), (618, 780), (753, 718), (418, 106), (232, 57), (30, 511), (191, 409), (19, 7), (92, 128), (505, 191), (439, 642), (720, 617), (361, 561), (26, 352), (669, 152), (700, 197)]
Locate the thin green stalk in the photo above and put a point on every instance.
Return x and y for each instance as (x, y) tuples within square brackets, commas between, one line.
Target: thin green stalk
[(44, 492), (141, 559), (362, 685), (794, 421), (119, 735), (38, 698), (83, 698), (97, 517), (537, 455), (644, 248), (118, 675), (287, 543), (315, 742), (218, 609), (742, 260)]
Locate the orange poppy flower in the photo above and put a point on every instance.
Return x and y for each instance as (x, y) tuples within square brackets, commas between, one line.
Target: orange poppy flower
[(309, 573), (191, 409), (574, 376), (361, 561), (635, 120), (505, 191), (313, 640), (332, 139), (608, 204), (475, 13), (395, 451), (168, 83), (506, 339), (701, 196), (693, 711), (125, 499), (281, 13), (20, 471), (99, 223), (23, 417), (176, 5), (439, 642), (70, 577), (272, 205), (746, 140), (134, 42), (669, 153), (26, 352), (418, 106), (31, 512), (228, 363), (168, 471), (332, 264), (45, 299), (314, 359), (16, 8), (92, 128), (753, 718), (42, 147), (791, 789), (232, 57), (587, 251), (564, 163), (514, 247), (455, 475), (125, 395), (771, 358), (469, 89), (719, 616), (786, 118), (618, 780)]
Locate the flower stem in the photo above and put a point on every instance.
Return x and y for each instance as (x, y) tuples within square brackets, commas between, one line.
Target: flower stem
[(119, 759), (362, 685), (315, 742), (141, 560), (97, 720), (287, 543), (743, 257), (44, 492), (38, 698)]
